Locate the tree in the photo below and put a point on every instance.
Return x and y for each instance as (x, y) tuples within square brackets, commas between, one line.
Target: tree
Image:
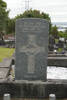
[(10, 26), (3, 17), (63, 34), (54, 31), (33, 14)]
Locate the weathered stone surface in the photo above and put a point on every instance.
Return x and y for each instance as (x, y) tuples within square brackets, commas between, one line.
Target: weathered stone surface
[(31, 49), (27, 89)]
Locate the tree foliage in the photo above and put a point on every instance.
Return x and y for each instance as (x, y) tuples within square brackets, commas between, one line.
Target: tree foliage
[(34, 14), (10, 26), (3, 18), (54, 31), (63, 34), (3, 15)]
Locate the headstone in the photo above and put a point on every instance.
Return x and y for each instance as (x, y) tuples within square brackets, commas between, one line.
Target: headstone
[(31, 49)]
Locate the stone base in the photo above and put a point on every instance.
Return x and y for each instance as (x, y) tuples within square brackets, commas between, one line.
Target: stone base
[(37, 89), (57, 61)]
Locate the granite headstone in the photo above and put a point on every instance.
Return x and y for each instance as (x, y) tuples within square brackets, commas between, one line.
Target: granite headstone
[(31, 49)]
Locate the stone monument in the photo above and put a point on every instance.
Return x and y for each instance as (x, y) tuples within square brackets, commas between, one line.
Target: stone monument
[(31, 49)]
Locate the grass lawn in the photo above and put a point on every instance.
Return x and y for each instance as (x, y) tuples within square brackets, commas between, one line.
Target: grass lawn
[(5, 53)]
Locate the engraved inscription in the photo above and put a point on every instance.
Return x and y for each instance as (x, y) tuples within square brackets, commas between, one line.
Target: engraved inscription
[(31, 49), (37, 24), (29, 26)]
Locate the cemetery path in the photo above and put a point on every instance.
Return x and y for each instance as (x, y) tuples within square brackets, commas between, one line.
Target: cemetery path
[(4, 68)]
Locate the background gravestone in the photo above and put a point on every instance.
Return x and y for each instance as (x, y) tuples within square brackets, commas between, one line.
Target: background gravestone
[(31, 49)]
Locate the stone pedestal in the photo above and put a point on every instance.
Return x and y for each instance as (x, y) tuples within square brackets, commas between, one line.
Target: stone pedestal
[(37, 89)]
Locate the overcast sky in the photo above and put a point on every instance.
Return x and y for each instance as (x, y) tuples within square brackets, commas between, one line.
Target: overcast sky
[(57, 9)]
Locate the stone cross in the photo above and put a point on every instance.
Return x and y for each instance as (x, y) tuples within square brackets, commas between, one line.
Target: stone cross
[(31, 49)]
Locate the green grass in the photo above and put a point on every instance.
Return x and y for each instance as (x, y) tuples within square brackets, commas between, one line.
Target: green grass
[(60, 49), (5, 53)]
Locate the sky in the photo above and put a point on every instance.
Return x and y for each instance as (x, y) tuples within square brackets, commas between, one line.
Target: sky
[(57, 9)]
